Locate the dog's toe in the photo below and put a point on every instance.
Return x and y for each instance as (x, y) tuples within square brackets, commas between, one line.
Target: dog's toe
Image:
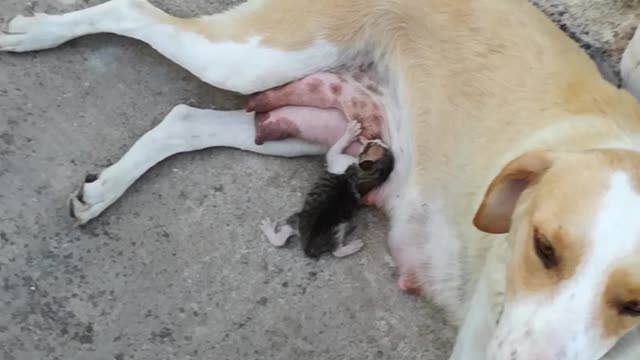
[(86, 203), (408, 282), (28, 33)]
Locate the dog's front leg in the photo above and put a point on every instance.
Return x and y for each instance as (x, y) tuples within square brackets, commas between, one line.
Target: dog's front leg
[(478, 326), (183, 129)]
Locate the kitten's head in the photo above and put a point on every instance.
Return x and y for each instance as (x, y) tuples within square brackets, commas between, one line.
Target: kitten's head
[(374, 166)]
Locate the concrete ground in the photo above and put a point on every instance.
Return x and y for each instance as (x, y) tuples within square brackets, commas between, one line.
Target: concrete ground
[(177, 268)]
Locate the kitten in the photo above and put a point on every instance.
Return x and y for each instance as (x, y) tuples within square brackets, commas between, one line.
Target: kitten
[(324, 223)]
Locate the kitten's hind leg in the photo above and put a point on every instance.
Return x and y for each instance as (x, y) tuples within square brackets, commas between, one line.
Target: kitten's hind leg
[(277, 233), (345, 249)]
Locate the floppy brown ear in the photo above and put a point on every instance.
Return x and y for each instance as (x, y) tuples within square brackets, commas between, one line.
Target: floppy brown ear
[(494, 214)]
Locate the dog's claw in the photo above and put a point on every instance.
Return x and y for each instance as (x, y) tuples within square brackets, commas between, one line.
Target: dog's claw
[(90, 178), (28, 33), (80, 208)]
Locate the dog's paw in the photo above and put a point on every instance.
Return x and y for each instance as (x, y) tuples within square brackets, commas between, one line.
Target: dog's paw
[(85, 203), (28, 33), (408, 283)]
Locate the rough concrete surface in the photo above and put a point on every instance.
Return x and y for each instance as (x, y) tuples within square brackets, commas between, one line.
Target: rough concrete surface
[(176, 269)]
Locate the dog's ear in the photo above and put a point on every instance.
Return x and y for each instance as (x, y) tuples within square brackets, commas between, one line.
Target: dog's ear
[(494, 214)]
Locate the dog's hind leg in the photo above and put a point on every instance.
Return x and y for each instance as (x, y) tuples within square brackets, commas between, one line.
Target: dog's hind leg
[(253, 47), (183, 129)]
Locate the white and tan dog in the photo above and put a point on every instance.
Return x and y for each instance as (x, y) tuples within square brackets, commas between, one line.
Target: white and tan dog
[(515, 201)]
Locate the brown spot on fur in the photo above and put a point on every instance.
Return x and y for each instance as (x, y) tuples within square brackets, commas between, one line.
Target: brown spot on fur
[(336, 89), (314, 85), (364, 68), (623, 286), (358, 76), (377, 119), (269, 129), (374, 88), (372, 151)]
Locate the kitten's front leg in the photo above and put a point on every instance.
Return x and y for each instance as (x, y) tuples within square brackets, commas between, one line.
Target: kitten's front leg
[(337, 162)]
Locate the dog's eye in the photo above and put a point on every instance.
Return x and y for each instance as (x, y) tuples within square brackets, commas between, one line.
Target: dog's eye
[(544, 250), (631, 308)]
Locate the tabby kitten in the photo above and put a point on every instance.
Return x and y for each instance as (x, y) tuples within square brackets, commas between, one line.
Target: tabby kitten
[(324, 223)]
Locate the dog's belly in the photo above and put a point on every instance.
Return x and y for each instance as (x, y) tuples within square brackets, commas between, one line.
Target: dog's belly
[(317, 108)]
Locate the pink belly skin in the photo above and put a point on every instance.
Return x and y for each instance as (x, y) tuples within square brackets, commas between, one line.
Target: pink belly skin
[(316, 125), (317, 109), (353, 95)]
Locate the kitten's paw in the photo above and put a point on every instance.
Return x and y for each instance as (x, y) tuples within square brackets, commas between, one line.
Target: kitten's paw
[(349, 249), (276, 237), (268, 229), (353, 130)]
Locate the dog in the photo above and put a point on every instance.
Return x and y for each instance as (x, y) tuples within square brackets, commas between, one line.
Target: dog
[(514, 196)]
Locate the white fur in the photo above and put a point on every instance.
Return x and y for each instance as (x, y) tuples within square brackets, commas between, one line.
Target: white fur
[(352, 247), (337, 162), (277, 237)]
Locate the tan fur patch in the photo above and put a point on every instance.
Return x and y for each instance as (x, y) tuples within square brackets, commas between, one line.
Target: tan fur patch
[(372, 151), (623, 286), (332, 20), (561, 216)]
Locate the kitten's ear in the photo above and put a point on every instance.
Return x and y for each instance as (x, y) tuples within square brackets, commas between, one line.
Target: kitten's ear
[(366, 164)]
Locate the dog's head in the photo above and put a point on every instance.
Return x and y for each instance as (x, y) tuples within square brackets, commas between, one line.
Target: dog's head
[(573, 279)]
